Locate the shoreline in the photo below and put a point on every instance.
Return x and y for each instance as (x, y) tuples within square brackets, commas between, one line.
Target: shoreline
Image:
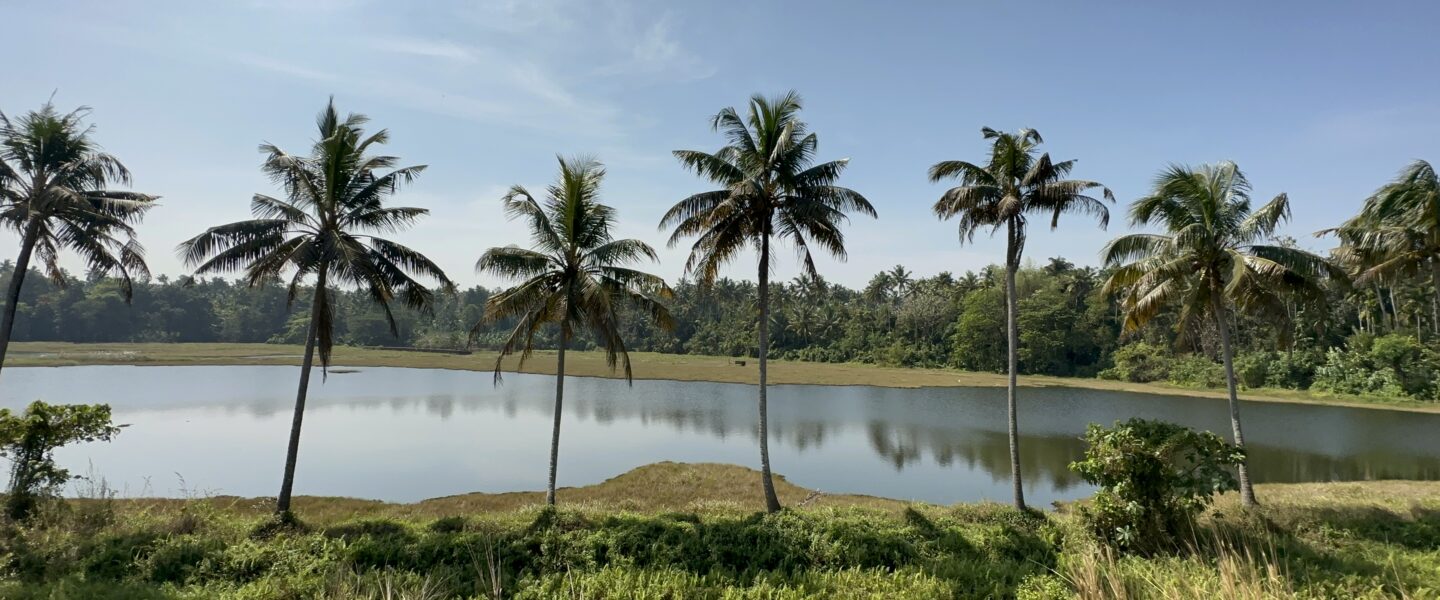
[(684, 486), (646, 366)]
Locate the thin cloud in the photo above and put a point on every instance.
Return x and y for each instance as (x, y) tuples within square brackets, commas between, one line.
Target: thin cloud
[(427, 49), (264, 63), (656, 53)]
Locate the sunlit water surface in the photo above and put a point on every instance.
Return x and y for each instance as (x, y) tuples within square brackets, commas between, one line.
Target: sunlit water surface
[(408, 434)]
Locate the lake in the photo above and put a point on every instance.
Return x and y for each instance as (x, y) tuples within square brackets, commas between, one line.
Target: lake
[(408, 434)]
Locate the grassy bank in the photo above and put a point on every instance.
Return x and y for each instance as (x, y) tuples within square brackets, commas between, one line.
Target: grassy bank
[(690, 531), (647, 365)]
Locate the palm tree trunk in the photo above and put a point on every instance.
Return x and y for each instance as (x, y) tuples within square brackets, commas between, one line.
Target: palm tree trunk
[(1012, 334), (1434, 302), (1247, 491), (12, 297), (772, 502), (287, 484), (555, 428), (1394, 311)]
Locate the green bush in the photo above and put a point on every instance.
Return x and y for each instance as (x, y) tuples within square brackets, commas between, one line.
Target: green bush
[(451, 524), (1154, 478), (178, 558), (1294, 369), (1394, 365), (1252, 369), (28, 441), (1139, 363), (1350, 372), (1195, 370), (1414, 365)]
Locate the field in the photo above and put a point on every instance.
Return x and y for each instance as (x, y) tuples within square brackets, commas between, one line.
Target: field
[(647, 365), (691, 531)]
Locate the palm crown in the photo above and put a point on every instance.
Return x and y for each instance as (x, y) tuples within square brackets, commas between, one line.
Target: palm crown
[(329, 225), (52, 192), (770, 187), (576, 274), (1213, 251), (1013, 184), (1398, 230)]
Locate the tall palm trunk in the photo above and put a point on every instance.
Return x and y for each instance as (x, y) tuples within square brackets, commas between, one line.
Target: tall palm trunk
[(12, 297), (1012, 334), (1222, 322), (559, 400), (287, 484), (1434, 302), (1394, 311), (772, 502)]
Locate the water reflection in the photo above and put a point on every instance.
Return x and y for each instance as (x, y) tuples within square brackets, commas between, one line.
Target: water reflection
[(405, 434)]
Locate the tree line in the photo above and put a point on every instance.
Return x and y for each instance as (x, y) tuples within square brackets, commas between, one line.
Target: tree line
[(1217, 297)]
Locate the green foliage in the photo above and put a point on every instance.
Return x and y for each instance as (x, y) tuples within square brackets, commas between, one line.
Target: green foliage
[(812, 554), (1378, 541), (1154, 478), (1194, 370), (1393, 366), (63, 203), (29, 441), (577, 273), (980, 335), (330, 225), (1139, 363), (1293, 370)]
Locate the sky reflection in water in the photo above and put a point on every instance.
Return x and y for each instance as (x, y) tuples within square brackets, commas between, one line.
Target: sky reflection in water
[(408, 434)]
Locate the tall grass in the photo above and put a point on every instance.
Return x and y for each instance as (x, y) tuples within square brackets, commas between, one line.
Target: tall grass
[(1317, 541)]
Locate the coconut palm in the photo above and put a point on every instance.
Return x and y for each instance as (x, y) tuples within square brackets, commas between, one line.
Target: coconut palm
[(576, 278), (1397, 233), (329, 227), (1211, 260), (901, 279), (53, 180), (1002, 194), (770, 188)]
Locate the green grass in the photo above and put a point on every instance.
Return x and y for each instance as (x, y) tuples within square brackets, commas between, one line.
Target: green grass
[(692, 531), (647, 365)]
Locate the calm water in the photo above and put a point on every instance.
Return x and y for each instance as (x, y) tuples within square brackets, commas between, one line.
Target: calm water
[(409, 434)]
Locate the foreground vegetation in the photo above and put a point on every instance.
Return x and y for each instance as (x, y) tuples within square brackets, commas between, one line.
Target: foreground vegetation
[(692, 531)]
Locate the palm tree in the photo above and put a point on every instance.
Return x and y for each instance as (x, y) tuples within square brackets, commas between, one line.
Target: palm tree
[(769, 188), (902, 281), (52, 193), (575, 277), (1211, 260), (1001, 194), (1397, 233), (328, 226)]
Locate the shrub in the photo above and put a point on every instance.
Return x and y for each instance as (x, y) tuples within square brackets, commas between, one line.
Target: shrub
[(1293, 370), (451, 524), (1394, 365), (1348, 372), (1139, 363), (178, 558), (1252, 369), (1154, 478), (1412, 363), (29, 441), (1195, 370)]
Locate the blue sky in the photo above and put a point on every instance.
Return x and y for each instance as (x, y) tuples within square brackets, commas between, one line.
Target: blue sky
[(1323, 100)]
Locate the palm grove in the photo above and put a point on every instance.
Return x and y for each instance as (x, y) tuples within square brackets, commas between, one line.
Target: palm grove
[(1215, 297)]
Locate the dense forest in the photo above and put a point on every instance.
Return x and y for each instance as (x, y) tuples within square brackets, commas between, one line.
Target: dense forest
[(1373, 339)]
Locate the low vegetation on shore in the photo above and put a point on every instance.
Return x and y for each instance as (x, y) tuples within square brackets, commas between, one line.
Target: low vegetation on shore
[(647, 365), (694, 531)]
